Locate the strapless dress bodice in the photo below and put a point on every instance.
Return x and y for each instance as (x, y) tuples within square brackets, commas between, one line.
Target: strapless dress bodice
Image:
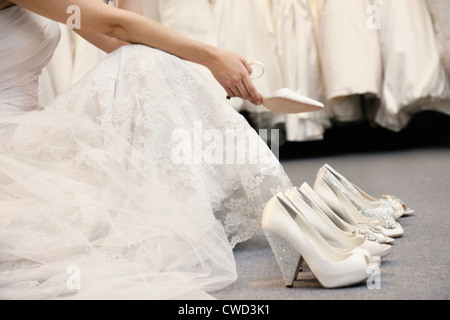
[(28, 42)]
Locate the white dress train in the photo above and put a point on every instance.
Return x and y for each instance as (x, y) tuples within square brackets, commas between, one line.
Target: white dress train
[(110, 192)]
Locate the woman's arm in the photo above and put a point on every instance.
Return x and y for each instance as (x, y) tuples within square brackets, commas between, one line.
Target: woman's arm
[(229, 69), (107, 43)]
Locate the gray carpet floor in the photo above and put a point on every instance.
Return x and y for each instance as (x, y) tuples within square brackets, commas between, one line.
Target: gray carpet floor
[(418, 267)]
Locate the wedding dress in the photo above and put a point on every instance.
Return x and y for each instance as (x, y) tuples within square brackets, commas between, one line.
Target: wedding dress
[(74, 58), (151, 9), (194, 19), (246, 27), (350, 56), (56, 77), (85, 57), (99, 198), (414, 76), (299, 59), (439, 11)]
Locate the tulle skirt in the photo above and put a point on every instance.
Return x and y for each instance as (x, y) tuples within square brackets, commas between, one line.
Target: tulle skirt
[(129, 186)]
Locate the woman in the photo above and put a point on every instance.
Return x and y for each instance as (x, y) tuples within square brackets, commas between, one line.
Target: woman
[(94, 200)]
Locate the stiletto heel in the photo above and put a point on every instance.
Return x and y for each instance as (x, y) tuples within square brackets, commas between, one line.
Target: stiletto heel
[(331, 267)]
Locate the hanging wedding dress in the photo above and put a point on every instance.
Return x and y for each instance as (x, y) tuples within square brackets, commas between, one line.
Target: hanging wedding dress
[(299, 60), (350, 56), (94, 200), (246, 27), (440, 11), (74, 58), (194, 19), (86, 56), (150, 8), (414, 78)]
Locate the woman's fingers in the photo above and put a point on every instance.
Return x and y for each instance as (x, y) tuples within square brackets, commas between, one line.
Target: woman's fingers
[(245, 89), (252, 91), (229, 93), (243, 92), (233, 73), (247, 66), (233, 93)]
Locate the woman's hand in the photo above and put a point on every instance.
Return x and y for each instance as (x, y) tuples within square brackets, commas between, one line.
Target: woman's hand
[(233, 73)]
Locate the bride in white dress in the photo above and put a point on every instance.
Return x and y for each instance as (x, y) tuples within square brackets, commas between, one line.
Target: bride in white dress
[(94, 203)]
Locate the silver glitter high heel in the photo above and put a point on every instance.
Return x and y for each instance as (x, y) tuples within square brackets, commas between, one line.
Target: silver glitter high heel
[(292, 237), (400, 208), (371, 233), (351, 209)]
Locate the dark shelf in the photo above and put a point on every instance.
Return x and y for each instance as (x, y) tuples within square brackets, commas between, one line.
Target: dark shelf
[(426, 129)]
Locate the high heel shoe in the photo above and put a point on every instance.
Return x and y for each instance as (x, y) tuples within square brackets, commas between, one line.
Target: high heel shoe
[(292, 237), (396, 203), (331, 235), (335, 236), (371, 233), (343, 203), (400, 209), (285, 100)]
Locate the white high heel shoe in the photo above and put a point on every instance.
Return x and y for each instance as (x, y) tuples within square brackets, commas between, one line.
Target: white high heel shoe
[(400, 209), (285, 100), (336, 196), (371, 233), (329, 233), (335, 236), (292, 237)]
